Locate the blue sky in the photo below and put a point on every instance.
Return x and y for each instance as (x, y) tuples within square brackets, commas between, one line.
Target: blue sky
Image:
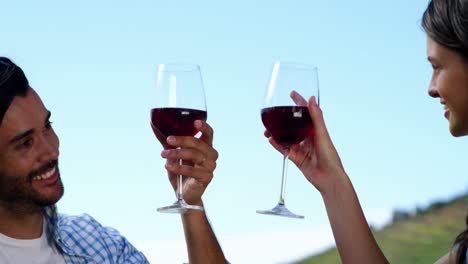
[(94, 65)]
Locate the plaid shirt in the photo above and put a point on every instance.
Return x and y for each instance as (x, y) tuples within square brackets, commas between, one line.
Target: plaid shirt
[(81, 239)]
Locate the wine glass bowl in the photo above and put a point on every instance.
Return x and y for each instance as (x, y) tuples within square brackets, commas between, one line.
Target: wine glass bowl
[(176, 121), (288, 125)]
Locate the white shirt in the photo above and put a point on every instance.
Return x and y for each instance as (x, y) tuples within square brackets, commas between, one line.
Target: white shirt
[(28, 251)]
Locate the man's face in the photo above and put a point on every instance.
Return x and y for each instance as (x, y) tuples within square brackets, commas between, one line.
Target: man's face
[(29, 176)]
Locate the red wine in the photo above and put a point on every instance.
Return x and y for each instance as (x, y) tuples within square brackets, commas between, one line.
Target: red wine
[(287, 124), (175, 121)]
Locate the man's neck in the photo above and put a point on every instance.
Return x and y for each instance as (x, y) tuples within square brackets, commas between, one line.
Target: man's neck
[(20, 223)]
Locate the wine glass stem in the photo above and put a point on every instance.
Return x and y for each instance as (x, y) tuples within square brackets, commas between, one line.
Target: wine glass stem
[(284, 176), (180, 194)]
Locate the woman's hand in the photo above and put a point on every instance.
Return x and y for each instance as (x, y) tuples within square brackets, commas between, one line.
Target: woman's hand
[(315, 156)]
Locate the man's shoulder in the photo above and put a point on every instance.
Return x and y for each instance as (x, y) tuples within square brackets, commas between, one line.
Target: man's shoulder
[(82, 219), (85, 223), (82, 235)]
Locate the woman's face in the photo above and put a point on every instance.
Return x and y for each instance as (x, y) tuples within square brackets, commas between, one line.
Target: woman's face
[(450, 83)]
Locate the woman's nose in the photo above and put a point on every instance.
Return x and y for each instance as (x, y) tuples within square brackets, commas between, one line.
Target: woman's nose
[(433, 91)]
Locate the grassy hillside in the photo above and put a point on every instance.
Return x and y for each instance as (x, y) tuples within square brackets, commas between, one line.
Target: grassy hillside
[(420, 238)]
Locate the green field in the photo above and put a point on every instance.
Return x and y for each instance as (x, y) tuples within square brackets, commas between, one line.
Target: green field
[(420, 238)]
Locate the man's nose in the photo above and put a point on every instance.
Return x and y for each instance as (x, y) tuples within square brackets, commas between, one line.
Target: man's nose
[(48, 150)]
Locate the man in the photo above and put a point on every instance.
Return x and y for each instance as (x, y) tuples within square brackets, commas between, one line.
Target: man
[(31, 230)]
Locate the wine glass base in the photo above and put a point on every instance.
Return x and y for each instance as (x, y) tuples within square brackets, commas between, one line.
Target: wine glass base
[(179, 207), (280, 210)]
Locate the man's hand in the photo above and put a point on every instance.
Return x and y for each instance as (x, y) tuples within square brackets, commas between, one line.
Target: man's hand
[(198, 161)]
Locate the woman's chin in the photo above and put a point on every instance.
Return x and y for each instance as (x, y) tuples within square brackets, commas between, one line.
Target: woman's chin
[(457, 129)]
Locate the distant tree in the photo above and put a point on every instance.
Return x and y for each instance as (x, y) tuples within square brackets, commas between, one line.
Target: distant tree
[(436, 205), (419, 210), (400, 215)]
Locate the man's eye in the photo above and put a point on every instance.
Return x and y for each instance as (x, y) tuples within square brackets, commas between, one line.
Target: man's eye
[(48, 125), (27, 143)]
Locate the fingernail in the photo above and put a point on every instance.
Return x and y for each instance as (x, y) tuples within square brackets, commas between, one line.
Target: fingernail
[(198, 123), (169, 165), (170, 139), (165, 152), (314, 101)]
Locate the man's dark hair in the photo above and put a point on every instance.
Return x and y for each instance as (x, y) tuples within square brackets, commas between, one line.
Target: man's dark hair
[(13, 83)]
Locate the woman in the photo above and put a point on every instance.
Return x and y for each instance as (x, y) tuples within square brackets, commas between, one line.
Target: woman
[(446, 26)]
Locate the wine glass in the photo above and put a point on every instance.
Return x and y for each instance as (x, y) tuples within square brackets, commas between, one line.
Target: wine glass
[(286, 119), (179, 100)]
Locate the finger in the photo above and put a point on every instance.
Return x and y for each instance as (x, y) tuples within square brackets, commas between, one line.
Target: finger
[(202, 175), (298, 99), (160, 136), (299, 153), (189, 154), (273, 142), (209, 165), (193, 143), (317, 119), (206, 130), (276, 145), (172, 177)]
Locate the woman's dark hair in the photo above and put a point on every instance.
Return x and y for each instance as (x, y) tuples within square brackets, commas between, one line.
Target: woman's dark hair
[(13, 83), (446, 22), (462, 242)]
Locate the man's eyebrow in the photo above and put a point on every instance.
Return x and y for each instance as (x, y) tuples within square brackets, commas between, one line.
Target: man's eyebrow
[(21, 136), (28, 132)]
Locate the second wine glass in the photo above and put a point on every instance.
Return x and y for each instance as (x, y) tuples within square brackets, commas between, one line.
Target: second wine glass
[(179, 100), (286, 117)]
